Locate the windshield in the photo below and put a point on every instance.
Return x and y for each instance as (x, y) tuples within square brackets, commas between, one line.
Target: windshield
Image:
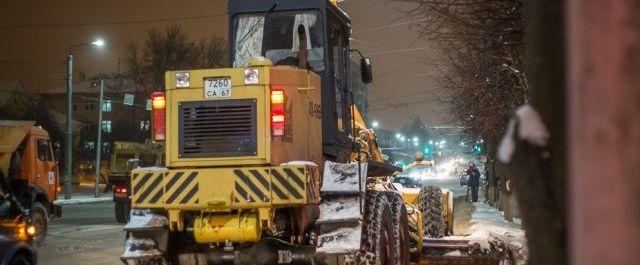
[(278, 38)]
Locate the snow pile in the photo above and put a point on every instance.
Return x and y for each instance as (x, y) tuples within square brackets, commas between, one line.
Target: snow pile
[(455, 253), (531, 128), (342, 240), (339, 209), (145, 219), (339, 177), (298, 163), (85, 199), (140, 248), (490, 231), (152, 168)]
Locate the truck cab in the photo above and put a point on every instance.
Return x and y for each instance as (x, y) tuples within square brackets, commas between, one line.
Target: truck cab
[(272, 29), (26, 157)]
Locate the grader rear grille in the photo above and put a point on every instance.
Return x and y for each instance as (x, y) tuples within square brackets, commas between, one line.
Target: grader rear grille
[(217, 128)]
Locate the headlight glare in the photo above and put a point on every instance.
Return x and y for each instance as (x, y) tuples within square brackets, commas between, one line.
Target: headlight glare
[(182, 79), (251, 76)]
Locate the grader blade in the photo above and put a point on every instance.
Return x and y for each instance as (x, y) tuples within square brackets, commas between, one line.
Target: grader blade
[(451, 252)]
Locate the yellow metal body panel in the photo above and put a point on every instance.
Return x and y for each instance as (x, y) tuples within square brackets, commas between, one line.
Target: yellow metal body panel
[(303, 128), (225, 188), (175, 96), (219, 228)]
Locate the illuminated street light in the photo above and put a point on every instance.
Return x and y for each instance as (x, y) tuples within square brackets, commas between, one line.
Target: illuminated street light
[(375, 124), (431, 142), (98, 43), (415, 138), (69, 135), (398, 135)]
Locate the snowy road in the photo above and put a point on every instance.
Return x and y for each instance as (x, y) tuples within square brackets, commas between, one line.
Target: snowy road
[(86, 234)]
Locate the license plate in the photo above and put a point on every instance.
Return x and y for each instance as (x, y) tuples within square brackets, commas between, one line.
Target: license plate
[(219, 87)]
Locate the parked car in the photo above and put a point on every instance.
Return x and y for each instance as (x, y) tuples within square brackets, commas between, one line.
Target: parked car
[(16, 234)]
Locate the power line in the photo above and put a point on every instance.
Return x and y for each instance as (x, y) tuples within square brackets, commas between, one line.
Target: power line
[(398, 51), (30, 62), (109, 23), (390, 26)]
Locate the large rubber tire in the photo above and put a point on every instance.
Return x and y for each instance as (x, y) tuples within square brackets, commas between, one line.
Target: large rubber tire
[(40, 220), (400, 228), (122, 212), (21, 259), (378, 230), (433, 220)]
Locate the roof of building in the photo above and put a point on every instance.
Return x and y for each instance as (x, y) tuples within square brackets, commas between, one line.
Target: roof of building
[(8, 87)]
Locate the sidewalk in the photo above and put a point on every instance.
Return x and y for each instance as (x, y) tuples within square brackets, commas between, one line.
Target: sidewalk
[(84, 194), (488, 230)]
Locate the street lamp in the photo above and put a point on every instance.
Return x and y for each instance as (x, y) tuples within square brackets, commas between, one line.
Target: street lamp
[(69, 135), (398, 135), (375, 124)]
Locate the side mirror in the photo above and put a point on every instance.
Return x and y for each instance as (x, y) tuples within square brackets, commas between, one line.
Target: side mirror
[(366, 73), (132, 164)]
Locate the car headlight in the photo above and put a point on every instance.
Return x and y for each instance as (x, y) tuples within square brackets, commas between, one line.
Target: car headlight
[(251, 76), (182, 79)]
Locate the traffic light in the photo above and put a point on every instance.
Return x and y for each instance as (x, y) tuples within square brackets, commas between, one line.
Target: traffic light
[(427, 150)]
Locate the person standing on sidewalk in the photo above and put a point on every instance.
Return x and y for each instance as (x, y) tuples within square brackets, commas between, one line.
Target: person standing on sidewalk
[(474, 181)]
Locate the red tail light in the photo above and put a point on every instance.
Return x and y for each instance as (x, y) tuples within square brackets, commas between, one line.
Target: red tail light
[(277, 112), (159, 103)]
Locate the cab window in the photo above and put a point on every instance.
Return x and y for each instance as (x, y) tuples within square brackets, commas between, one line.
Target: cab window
[(337, 60), (44, 152)]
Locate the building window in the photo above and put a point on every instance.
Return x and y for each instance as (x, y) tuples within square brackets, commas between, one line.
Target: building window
[(89, 146), (106, 126), (88, 105), (74, 106), (106, 105)]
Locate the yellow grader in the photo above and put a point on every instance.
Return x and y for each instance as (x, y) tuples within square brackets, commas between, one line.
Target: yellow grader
[(270, 162)]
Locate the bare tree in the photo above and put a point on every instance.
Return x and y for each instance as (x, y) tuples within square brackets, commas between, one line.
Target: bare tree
[(482, 44), (171, 50)]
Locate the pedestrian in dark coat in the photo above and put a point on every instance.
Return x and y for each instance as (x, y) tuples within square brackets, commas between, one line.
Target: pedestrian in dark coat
[(474, 181)]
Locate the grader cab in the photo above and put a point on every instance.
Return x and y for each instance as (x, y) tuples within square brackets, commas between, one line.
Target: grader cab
[(269, 162)]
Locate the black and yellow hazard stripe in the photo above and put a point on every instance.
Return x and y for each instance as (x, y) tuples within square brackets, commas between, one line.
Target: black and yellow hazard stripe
[(251, 186), (182, 187), (146, 187), (269, 185), (162, 187), (291, 183)]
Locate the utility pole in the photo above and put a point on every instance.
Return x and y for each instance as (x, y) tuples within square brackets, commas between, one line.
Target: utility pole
[(68, 147), (99, 141)]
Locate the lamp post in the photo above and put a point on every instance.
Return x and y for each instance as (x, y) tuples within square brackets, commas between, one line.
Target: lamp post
[(99, 140), (68, 133)]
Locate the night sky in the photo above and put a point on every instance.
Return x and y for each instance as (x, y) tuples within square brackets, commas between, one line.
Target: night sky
[(37, 33)]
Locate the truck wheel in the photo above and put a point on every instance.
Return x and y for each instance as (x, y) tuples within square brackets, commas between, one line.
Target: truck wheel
[(122, 212), (379, 229), (400, 233), (21, 259), (431, 208), (40, 220)]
